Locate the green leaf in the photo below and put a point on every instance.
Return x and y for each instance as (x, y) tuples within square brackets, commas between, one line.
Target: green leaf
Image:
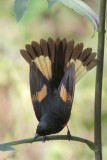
[(51, 2), (20, 6), (81, 8), (6, 147), (35, 8)]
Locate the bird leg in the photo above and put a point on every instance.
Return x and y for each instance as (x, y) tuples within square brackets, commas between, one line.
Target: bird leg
[(69, 134)]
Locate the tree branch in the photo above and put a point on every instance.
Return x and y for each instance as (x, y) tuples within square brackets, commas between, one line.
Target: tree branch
[(99, 76), (9, 146)]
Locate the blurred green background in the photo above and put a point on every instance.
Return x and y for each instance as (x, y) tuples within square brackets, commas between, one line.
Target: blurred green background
[(17, 119)]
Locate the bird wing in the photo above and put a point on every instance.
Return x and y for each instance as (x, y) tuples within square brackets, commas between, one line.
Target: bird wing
[(66, 92), (39, 87)]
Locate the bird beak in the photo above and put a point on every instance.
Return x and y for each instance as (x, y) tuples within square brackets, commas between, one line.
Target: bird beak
[(36, 135)]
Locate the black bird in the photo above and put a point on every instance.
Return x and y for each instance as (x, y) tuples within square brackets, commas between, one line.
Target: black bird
[(55, 68)]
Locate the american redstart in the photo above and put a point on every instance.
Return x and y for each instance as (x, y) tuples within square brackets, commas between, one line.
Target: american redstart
[(55, 68)]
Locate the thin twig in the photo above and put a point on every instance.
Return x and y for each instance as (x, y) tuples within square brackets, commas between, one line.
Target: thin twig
[(9, 145), (99, 76)]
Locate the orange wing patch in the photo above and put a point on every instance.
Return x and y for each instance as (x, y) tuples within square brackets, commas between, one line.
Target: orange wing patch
[(64, 95), (40, 95)]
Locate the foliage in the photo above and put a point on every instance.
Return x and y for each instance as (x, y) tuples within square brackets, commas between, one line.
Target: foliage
[(19, 8), (77, 5), (81, 8)]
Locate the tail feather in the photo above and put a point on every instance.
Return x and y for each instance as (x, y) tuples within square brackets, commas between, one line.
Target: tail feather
[(36, 48), (53, 58), (39, 65), (85, 54), (64, 42), (57, 42), (69, 50), (89, 59), (58, 65), (80, 74), (51, 48), (30, 51), (44, 47), (25, 55), (92, 64), (38, 58), (77, 51)]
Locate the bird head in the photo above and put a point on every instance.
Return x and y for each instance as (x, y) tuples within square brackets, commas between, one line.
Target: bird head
[(49, 124)]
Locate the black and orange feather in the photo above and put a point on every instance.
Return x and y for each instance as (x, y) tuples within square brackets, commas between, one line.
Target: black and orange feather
[(55, 68)]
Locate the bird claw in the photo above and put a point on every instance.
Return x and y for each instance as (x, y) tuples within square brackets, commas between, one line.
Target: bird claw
[(69, 134), (35, 137), (45, 138)]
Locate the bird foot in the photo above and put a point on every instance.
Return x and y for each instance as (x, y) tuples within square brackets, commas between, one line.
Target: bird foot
[(45, 138), (69, 134), (36, 136)]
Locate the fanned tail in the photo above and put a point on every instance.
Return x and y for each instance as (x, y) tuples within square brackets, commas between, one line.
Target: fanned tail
[(53, 57)]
